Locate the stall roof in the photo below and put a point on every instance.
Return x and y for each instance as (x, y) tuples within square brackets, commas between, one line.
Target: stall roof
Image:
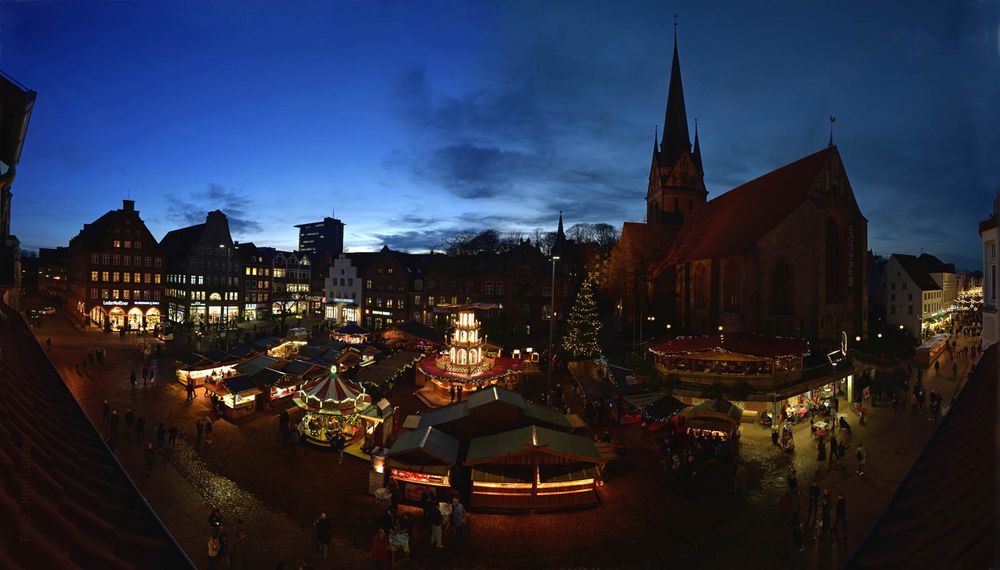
[(934, 342), (242, 351), (192, 359), (656, 405), (300, 367), (255, 364), (268, 342), (739, 343), (268, 377), (378, 411), (430, 442), (444, 415), (420, 331), (352, 329), (311, 352), (216, 356), (546, 414), (241, 384), (532, 439), (720, 409), (385, 370)]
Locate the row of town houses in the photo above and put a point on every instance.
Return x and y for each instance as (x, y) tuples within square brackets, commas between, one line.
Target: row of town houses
[(115, 275)]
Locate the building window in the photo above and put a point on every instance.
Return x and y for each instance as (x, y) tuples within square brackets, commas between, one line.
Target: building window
[(430, 301), (118, 243), (156, 278), (114, 294), (114, 260), (157, 262), (499, 287), (126, 260), (104, 294), (909, 309), (416, 300), (127, 277), (104, 276), (114, 277), (138, 245), (93, 293), (399, 304), (454, 300), (95, 258), (93, 276), (147, 278), (892, 309), (388, 303), (732, 286), (700, 287), (106, 259), (489, 287), (389, 271), (368, 284), (128, 244)]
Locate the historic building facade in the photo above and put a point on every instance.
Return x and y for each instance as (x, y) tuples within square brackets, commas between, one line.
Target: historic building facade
[(114, 270), (784, 254)]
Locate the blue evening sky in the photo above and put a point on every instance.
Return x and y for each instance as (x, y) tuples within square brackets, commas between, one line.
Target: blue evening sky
[(412, 120)]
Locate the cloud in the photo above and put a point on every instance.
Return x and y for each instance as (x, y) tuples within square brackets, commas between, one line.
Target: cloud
[(416, 240), (192, 208)]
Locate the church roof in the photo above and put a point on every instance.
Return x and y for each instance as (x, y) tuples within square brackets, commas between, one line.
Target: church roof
[(733, 222), (942, 513), (676, 138)]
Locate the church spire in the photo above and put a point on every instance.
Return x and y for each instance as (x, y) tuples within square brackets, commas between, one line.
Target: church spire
[(560, 234), (676, 138), (697, 150)]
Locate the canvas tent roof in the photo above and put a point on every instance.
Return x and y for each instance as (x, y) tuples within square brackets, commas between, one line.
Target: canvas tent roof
[(532, 439)]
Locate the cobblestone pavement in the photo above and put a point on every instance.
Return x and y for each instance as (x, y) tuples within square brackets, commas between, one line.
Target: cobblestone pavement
[(645, 519)]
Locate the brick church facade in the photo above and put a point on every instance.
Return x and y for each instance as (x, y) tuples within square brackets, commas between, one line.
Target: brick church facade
[(781, 255)]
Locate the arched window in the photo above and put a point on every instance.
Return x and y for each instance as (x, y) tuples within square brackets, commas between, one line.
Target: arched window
[(834, 263), (782, 289), (732, 286), (462, 356), (700, 287)]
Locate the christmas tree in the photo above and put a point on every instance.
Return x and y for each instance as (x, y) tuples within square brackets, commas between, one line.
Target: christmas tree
[(580, 341)]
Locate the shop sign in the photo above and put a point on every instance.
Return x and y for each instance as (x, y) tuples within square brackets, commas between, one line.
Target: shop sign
[(115, 303), (145, 302), (382, 313)]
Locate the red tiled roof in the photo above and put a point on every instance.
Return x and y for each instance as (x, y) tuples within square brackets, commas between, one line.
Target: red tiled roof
[(739, 343), (943, 513), (84, 511), (733, 222)]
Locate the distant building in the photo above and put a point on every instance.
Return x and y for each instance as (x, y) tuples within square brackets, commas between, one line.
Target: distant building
[(16, 104), (322, 237), (989, 233), (203, 273), (52, 272), (256, 280), (343, 289), (915, 293), (115, 273)]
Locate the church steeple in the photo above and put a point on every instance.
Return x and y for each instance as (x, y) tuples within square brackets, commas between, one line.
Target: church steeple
[(675, 126), (560, 234), (696, 155)]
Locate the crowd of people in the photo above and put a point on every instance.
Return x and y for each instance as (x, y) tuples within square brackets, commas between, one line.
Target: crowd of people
[(683, 451), (824, 518)]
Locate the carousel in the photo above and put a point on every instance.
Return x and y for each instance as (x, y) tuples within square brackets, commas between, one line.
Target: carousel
[(466, 365), (332, 407)]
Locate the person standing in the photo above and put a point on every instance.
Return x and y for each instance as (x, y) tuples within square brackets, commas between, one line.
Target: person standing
[(140, 428), (199, 428), (213, 552), (129, 420), (813, 501), (113, 422), (436, 520), (841, 519), (821, 447), (740, 480), (862, 457), (131, 378), (834, 450), (379, 548), (457, 518), (224, 545), (172, 438), (322, 530), (826, 506), (190, 388)]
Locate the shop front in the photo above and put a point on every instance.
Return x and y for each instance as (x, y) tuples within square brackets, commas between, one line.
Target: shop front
[(132, 316)]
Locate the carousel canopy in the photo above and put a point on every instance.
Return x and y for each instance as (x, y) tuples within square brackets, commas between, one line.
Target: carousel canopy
[(737, 343), (332, 395), (352, 329), (716, 409)]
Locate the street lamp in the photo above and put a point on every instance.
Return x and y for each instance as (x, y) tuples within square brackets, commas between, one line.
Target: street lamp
[(880, 335), (720, 328), (552, 323), (857, 338)]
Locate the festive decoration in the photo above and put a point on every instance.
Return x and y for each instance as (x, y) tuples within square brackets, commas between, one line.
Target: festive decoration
[(580, 340)]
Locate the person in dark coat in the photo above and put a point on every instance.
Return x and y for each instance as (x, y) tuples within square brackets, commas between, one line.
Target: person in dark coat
[(129, 420), (322, 530), (114, 422), (172, 435)]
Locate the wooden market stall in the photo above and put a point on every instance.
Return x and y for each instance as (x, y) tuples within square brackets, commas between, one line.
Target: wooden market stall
[(238, 395), (533, 468), (931, 349), (202, 368), (422, 460), (714, 417)]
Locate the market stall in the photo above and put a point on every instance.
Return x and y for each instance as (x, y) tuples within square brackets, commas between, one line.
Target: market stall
[(237, 394), (422, 460), (714, 418), (351, 333), (332, 406), (931, 349), (533, 468), (199, 369)]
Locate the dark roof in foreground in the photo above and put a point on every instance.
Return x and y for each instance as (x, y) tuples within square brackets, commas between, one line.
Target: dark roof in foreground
[(943, 514), (85, 512), (431, 442)]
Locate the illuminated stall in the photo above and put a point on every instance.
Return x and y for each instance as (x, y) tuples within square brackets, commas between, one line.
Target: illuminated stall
[(204, 368), (351, 333), (238, 395), (714, 417), (533, 468), (331, 406), (422, 460), (931, 349), (464, 365)]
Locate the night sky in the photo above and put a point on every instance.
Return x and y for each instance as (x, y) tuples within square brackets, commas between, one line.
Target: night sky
[(412, 120)]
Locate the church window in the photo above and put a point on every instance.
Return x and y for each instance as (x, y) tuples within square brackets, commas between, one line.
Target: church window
[(700, 287), (782, 289), (732, 286)]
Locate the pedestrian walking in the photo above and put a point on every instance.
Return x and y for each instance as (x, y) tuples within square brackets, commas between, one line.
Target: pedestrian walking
[(190, 388), (105, 412), (821, 446), (208, 431), (862, 457), (113, 423), (213, 552), (150, 456), (841, 520), (161, 436), (341, 441), (813, 501), (834, 450), (140, 428), (199, 428), (379, 549), (825, 509), (131, 379), (172, 435), (321, 528), (436, 520), (458, 518), (129, 420)]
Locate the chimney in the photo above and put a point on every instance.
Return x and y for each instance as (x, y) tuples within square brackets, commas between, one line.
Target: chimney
[(128, 205)]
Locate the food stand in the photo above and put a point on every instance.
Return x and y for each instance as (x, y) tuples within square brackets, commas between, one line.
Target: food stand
[(238, 395), (931, 349), (715, 418), (200, 369), (422, 460), (331, 406), (374, 422), (351, 333)]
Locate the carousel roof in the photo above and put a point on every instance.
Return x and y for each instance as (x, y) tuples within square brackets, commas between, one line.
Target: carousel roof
[(739, 343), (332, 395)]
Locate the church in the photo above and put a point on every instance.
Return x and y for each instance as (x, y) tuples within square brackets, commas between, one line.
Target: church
[(781, 255)]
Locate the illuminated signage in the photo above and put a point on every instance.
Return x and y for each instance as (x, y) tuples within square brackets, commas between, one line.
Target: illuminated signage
[(341, 300), (382, 313)]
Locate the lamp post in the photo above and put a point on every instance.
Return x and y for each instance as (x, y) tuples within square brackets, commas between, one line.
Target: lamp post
[(552, 324)]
